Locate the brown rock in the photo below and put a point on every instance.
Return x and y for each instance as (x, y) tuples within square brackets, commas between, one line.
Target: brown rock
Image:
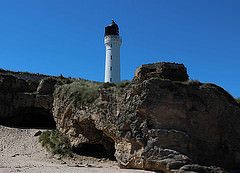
[(158, 124), (155, 124), (163, 70), (20, 105), (46, 86), (200, 169)]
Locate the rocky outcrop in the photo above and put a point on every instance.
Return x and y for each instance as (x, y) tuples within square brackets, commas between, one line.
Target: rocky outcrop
[(21, 105), (46, 86), (163, 70), (201, 169), (153, 123), (25, 75), (157, 124)]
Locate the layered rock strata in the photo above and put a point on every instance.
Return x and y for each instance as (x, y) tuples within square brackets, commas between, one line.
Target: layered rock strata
[(158, 124), (153, 123), (22, 105), (163, 70)]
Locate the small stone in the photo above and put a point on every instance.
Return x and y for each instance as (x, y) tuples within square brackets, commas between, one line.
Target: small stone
[(15, 155), (38, 133), (89, 165)]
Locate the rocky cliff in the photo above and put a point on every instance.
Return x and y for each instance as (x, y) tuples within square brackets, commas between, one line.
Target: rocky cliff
[(156, 124), (23, 102)]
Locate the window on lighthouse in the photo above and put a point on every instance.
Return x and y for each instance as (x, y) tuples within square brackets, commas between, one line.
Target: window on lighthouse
[(111, 68), (111, 57)]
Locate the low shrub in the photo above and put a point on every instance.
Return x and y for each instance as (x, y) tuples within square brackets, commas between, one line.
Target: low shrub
[(124, 83), (56, 143), (82, 91), (86, 95), (108, 85)]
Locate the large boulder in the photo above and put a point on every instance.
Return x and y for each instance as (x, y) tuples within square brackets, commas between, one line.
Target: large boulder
[(163, 70), (46, 86)]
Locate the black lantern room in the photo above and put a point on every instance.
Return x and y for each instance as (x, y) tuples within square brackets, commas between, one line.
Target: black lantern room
[(112, 29)]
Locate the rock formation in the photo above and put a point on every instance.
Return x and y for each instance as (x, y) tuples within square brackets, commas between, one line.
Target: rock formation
[(152, 123), (21, 105), (163, 70), (158, 124)]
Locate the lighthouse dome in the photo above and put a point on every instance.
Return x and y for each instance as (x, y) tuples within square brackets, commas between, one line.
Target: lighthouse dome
[(112, 29)]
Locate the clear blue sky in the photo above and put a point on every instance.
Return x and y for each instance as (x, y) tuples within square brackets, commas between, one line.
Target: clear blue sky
[(66, 37)]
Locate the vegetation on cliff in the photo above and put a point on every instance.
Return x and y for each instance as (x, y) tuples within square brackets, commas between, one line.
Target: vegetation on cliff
[(83, 91), (56, 143), (140, 122)]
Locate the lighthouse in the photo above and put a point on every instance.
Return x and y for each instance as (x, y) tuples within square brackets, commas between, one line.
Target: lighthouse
[(112, 41)]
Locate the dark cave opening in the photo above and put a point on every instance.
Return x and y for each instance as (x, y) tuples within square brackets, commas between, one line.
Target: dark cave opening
[(96, 150), (32, 118), (99, 144)]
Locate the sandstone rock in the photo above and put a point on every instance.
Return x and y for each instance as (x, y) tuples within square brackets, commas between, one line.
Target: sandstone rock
[(154, 124), (157, 124), (200, 169), (20, 105), (163, 70), (46, 86)]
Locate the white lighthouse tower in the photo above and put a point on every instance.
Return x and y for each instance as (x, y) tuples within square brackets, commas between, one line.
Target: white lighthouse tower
[(112, 42)]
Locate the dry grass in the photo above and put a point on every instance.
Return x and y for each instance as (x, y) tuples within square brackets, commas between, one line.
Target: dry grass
[(56, 143)]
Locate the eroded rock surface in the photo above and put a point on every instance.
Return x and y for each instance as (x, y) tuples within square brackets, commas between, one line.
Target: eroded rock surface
[(163, 70), (20, 105), (154, 123), (157, 124)]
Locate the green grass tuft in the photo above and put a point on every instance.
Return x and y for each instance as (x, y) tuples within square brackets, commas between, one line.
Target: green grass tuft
[(56, 143), (108, 85), (82, 91), (124, 83)]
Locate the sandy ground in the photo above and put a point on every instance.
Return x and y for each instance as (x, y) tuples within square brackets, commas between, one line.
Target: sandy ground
[(21, 152)]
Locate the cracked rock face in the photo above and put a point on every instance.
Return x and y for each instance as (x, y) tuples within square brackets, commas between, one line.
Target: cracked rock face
[(20, 105), (158, 125), (163, 70), (154, 124)]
